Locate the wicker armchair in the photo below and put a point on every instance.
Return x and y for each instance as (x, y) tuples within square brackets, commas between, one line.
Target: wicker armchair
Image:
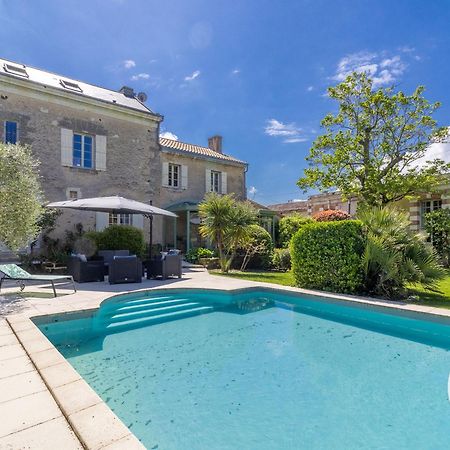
[(165, 266), (125, 269), (85, 271)]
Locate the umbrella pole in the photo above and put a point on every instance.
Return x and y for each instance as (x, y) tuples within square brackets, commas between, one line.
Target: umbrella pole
[(150, 237)]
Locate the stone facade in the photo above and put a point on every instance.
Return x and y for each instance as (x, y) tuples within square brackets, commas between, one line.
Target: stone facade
[(132, 148), (184, 199)]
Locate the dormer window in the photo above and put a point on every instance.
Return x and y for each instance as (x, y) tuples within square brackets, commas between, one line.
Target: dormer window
[(70, 85), (15, 70)]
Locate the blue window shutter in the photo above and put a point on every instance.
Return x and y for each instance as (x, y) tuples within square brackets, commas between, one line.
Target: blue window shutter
[(10, 132)]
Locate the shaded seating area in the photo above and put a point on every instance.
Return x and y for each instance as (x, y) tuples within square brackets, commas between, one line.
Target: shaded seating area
[(167, 265), (12, 272)]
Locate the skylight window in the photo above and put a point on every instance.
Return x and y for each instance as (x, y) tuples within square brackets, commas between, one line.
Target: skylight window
[(70, 85), (15, 70)]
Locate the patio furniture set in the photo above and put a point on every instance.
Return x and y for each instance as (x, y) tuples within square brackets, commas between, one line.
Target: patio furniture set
[(121, 267)]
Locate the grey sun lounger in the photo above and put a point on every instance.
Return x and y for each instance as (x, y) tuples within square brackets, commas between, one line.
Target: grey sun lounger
[(12, 272)]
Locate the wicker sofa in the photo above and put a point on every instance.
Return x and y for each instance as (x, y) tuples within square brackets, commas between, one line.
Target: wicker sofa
[(164, 266)]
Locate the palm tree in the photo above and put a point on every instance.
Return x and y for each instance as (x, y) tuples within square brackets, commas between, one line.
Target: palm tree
[(225, 222), (394, 255)]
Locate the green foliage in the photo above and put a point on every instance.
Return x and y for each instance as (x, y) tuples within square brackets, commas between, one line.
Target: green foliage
[(437, 223), (330, 215), (225, 222), (327, 256), (281, 259), (194, 254), (258, 247), (371, 146), (394, 255), (289, 225), (119, 237), (20, 195)]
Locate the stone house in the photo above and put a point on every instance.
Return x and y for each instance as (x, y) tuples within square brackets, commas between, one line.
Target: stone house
[(93, 141), (188, 173), (417, 207)]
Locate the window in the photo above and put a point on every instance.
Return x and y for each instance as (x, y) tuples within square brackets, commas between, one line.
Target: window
[(70, 85), (15, 70), (428, 206), (73, 195), (174, 175), (120, 219), (82, 151), (215, 181), (10, 132)]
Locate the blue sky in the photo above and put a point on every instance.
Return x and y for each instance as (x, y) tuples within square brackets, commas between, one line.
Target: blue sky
[(253, 71)]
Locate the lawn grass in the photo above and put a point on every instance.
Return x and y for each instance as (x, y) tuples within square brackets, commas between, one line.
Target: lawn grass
[(438, 297)]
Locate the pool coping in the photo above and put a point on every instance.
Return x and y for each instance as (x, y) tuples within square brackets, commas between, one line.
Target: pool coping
[(94, 423)]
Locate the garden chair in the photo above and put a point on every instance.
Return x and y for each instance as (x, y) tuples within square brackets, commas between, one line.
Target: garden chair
[(12, 272)]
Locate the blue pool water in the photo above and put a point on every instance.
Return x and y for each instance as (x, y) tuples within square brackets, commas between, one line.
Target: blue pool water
[(263, 370)]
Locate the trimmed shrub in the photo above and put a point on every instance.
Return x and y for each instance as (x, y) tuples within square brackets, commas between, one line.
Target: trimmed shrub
[(119, 237), (330, 215), (281, 259), (327, 256), (288, 226), (194, 254)]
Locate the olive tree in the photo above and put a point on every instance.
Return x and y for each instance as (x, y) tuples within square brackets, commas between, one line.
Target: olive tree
[(20, 195)]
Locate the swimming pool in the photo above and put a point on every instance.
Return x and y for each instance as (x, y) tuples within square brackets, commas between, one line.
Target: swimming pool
[(263, 369)]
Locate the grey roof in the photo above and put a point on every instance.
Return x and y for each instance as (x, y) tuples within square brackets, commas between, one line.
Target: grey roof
[(197, 150), (45, 78)]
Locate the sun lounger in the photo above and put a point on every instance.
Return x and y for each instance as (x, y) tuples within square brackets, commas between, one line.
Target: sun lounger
[(12, 272)]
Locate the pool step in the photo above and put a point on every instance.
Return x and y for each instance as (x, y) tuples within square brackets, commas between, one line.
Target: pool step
[(160, 318), (152, 310), (125, 308), (138, 301)]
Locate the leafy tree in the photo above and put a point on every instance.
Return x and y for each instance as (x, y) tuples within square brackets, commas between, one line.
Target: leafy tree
[(225, 222), (258, 244), (372, 146), (289, 225), (394, 255), (20, 195), (437, 223)]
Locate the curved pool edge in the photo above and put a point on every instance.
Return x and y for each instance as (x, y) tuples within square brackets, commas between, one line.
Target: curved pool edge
[(94, 422)]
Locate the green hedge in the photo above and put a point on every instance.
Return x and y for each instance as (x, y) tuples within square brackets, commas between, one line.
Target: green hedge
[(288, 226), (119, 237), (327, 256)]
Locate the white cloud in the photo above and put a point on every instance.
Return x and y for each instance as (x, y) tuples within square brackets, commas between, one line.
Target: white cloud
[(440, 150), (383, 70), (140, 76), (252, 190), (168, 135), (129, 64), (290, 132), (310, 88), (235, 72), (194, 75)]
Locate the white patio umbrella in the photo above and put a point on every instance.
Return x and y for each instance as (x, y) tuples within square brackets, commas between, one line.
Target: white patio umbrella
[(115, 205)]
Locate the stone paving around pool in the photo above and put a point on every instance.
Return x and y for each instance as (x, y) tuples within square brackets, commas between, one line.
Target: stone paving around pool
[(45, 404)]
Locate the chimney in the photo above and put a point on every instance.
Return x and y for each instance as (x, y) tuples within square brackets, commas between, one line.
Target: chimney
[(215, 143), (127, 91)]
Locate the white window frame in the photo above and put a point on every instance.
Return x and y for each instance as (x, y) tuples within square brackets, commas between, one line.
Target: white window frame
[(427, 206), (174, 174), (83, 137), (216, 178), (120, 219)]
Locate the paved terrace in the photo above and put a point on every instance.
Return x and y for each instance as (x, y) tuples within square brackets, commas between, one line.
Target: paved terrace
[(45, 404)]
